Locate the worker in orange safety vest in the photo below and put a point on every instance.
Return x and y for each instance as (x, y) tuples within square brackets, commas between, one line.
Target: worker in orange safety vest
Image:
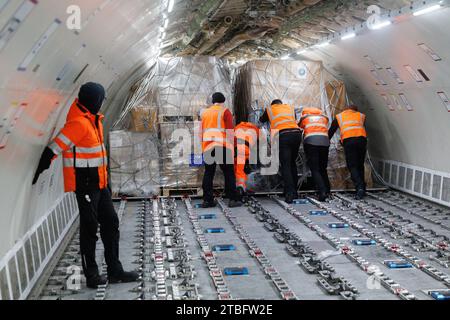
[(81, 144), (218, 149), (246, 136), (283, 123), (351, 123), (314, 124)]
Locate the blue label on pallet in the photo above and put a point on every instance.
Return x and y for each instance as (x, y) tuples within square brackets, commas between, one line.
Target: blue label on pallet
[(197, 160), (235, 271), (338, 225), (207, 217), (215, 230), (198, 206), (399, 264), (318, 213), (224, 247), (364, 242), (442, 296), (301, 201)]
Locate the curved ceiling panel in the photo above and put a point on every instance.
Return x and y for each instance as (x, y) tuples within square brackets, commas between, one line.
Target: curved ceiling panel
[(42, 65)]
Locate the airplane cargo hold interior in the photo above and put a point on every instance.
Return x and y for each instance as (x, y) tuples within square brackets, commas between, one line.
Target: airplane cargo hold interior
[(337, 188)]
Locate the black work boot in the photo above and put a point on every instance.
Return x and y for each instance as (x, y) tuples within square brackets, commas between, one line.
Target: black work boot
[(96, 281), (322, 197), (209, 204), (124, 277), (234, 204), (360, 194), (290, 199)]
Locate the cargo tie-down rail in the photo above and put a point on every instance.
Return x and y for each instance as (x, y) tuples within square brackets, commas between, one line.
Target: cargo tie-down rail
[(328, 279), (392, 247), (348, 251), (285, 291)]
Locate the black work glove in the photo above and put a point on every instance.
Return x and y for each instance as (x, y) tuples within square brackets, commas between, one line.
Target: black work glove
[(44, 163)]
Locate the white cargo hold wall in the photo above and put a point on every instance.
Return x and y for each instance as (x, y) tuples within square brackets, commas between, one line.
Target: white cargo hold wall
[(44, 58), (407, 101)]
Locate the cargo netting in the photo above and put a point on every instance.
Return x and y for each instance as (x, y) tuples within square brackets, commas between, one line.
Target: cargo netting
[(301, 84), (174, 92), (169, 97)]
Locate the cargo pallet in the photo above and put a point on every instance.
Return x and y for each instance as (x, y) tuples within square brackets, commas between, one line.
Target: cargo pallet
[(190, 191)]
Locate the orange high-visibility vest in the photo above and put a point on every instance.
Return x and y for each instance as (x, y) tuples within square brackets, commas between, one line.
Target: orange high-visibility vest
[(246, 135), (282, 117), (314, 123), (351, 124), (214, 132), (81, 144)]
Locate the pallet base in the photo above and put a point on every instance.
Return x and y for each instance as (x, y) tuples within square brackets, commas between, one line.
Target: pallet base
[(171, 192)]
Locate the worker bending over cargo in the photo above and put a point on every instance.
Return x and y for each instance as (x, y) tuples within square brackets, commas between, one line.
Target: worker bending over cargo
[(81, 143), (218, 148), (284, 125), (246, 135), (354, 138), (317, 146)]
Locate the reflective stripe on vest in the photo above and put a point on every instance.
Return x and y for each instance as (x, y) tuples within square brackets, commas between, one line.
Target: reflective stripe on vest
[(214, 132), (243, 142), (85, 163), (246, 134), (61, 143), (351, 124), (86, 151), (284, 119), (314, 123)]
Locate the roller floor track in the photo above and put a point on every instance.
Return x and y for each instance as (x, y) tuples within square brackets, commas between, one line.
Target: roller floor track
[(184, 252)]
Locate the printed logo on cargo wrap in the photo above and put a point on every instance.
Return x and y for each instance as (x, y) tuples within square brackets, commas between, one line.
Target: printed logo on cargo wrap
[(302, 72)]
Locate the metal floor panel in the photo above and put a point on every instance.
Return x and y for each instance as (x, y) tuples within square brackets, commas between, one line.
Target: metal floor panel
[(376, 255), (303, 284), (238, 223), (342, 265)]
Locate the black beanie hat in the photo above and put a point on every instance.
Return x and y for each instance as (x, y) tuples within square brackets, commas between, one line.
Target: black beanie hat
[(91, 96), (218, 97), (278, 101)]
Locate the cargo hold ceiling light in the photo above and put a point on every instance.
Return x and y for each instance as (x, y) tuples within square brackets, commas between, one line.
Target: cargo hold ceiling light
[(170, 6), (381, 25), (166, 23), (323, 44), (348, 36), (427, 10)]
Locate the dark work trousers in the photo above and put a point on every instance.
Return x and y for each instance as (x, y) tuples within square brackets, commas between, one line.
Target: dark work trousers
[(227, 168), (289, 148), (95, 211), (355, 153), (317, 157)]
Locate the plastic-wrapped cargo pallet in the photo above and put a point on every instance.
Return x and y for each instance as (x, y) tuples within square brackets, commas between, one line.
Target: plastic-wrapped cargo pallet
[(299, 83), (170, 97), (134, 163)]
